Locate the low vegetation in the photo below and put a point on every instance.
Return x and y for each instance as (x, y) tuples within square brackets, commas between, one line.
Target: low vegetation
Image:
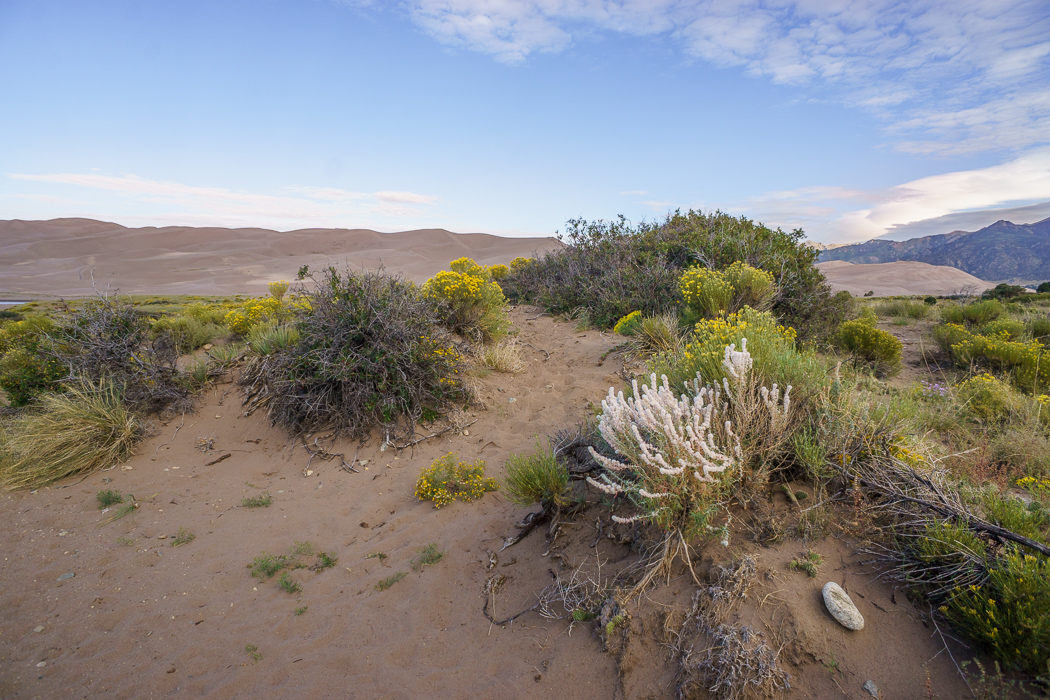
[(448, 479)]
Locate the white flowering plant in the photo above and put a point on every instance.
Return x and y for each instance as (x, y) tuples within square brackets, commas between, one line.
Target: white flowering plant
[(678, 455)]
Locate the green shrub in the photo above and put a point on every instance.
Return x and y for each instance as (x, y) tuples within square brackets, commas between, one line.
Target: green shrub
[(1026, 362), (930, 301), (1005, 328), (629, 324), (975, 313), (659, 334), (206, 314), (1004, 291), (772, 347), (536, 478), (871, 346), (86, 428), (468, 301), (613, 268), (903, 308), (368, 354), (186, 332), (447, 480), (1039, 328), (1009, 614), (867, 316), (988, 400), (708, 293), (26, 370), (268, 338)]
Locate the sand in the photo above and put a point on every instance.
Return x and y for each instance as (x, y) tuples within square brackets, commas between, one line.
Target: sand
[(900, 278), (143, 618), (60, 256)]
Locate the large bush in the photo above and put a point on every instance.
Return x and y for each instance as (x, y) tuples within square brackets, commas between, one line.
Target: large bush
[(468, 300), (368, 354), (869, 346), (1027, 362), (26, 370), (710, 293), (613, 268)]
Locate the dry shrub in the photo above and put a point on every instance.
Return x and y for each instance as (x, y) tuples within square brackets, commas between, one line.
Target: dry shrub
[(85, 428), (368, 354), (656, 334), (505, 356)]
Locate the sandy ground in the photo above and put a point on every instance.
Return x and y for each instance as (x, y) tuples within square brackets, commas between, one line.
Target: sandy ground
[(142, 618), (59, 257), (899, 278)]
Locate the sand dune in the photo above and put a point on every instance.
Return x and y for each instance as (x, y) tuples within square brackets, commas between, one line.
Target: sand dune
[(59, 257), (889, 279)]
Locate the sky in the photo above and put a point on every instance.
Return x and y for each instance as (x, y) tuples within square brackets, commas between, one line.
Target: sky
[(849, 119)]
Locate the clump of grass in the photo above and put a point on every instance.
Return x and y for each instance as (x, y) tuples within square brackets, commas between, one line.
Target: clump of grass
[(659, 334), (325, 560), (263, 500), (808, 562), (536, 478), (381, 556), (267, 565), (299, 611), (108, 497), (183, 536), (447, 480), (226, 356), (125, 541), (252, 651), (268, 338), (428, 556), (389, 581), (86, 428), (505, 356), (288, 584), (903, 308)]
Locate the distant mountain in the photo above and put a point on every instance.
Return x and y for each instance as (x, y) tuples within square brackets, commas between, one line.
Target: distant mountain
[(1002, 252)]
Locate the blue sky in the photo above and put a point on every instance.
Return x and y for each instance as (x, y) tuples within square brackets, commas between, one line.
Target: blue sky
[(847, 119)]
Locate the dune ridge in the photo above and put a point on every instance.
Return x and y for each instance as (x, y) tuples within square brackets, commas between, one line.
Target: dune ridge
[(59, 257), (899, 278)]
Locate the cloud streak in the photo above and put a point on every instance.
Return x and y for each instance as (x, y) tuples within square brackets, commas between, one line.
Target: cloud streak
[(301, 207), (948, 77)]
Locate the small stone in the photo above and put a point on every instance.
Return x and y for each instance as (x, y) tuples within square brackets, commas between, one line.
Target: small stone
[(363, 462), (38, 628), (162, 537), (207, 346), (511, 400), (41, 664), (873, 690), (466, 432), (66, 577), (841, 607), (309, 472)]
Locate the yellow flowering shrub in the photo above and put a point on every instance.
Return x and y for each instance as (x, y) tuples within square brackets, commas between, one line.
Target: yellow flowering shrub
[(447, 480), (629, 324), (987, 399), (871, 346), (498, 272), (468, 300), (715, 293), (274, 309), (519, 263), (1027, 361)]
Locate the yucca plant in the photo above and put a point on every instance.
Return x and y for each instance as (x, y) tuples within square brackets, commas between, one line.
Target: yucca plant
[(85, 428)]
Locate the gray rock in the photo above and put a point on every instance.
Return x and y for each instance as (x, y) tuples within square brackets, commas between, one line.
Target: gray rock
[(873, 690), (841, 607), (63, 577)]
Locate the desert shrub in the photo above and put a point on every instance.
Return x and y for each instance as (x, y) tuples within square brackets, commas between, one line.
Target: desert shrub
[(187, 333), (613, 268), (468, 301), (107, 340), (83, 429), (975, 313), (268, 338), (225, 356), (905, 308), (1004, 291), (1026, 362), (504, 356), (659, 334), (1023, 447), (710, 293), (1009, 614), (629, 324), (988, 400), (772, 347), (536, 478), (278, 289), (1004, 327), (206, 313), (368, 354), (447, 480), (254, 312), (870, 346), (867, 316), (930, 301), (677, 455), (1039, 328), (498, 272), (26, 370)]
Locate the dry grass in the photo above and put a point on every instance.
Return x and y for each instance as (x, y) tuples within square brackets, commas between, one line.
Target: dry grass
[(86, 428), (660, 334), (505, 356)]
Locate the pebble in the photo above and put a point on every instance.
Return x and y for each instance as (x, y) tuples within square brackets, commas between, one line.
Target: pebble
[(841, 607), (466, 432), (65, 577), (38, 628), (873, 690), (511, 400), (41, 664)]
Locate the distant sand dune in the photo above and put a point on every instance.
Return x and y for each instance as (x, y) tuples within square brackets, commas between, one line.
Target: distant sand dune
[(58, 257), (899, 278)]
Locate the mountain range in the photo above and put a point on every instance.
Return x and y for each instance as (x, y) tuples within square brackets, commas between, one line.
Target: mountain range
[(1002, 252)]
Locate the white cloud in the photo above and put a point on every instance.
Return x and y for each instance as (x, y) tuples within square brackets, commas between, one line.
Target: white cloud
[(948, 75), (302, 207), (833, 214)]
